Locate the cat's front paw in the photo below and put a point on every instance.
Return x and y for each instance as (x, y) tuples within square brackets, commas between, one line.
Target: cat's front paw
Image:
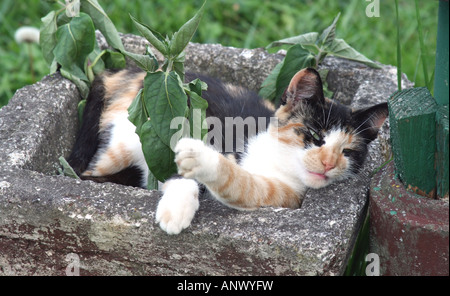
[(195, 160), (178, 205)]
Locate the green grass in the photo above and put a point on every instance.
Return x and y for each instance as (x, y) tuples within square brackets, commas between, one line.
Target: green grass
[(244, 23)]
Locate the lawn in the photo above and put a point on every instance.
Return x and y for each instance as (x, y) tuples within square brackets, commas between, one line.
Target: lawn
[(245, 23)]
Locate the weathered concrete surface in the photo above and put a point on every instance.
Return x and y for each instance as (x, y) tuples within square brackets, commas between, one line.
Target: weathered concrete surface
[(39, 125), (111, 228), (409, 232)]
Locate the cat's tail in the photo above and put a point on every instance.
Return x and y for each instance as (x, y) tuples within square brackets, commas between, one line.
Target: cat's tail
[(87, 140)]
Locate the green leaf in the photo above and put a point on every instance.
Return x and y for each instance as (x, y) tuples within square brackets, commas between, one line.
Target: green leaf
[(165, 99), (47, 37), (326, 39), (278, 80), (181, 38), (268, 87), (103, 23), (178, 65), (80, 109), (143, 61), (148, 34), (114, 60), (197, 116), (158, 155), (321, 45), (340, 48), (307, 40), (62, 19), (95, 63), (137, 112), (75, 42), (196, 85), (67, 169), (329, 34), (152, 182), (82, 85), (296, 59), (323, 76), (197, 110)]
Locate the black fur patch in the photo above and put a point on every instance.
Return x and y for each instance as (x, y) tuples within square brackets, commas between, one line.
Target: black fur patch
[(131, 176), (87, 141), (238, 102)]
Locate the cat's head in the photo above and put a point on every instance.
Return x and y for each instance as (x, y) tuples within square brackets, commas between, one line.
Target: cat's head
[(329, 139)]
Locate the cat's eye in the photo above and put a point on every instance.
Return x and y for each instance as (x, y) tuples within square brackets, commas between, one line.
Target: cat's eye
[(314, 135), (347, 151)]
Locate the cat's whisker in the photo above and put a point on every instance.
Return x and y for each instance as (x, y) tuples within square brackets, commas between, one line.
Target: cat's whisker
[(323, 124), (369, 118), (359, 132), (319, 123), (329, 113)]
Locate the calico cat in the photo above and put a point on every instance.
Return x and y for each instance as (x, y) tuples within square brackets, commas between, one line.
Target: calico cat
[(308, 142)]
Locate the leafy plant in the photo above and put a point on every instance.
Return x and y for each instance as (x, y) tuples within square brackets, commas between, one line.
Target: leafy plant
[(307, 50), (165, 98), (68, 40)]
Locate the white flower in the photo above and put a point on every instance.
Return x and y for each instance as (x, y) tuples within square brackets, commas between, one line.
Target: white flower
[(27, 35)]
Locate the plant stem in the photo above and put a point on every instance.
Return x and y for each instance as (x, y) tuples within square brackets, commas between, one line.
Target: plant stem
[(422, 46), (381, 166), (169, 65), (92, 65), (399, 50), (30, 58)]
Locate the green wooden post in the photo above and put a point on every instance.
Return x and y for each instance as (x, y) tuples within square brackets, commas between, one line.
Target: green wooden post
[(419, 125), (412, 117), (442, 144), (441, 96), (442, 48)]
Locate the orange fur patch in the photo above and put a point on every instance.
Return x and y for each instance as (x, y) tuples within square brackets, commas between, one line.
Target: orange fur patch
[(239, 188), (120, 91), (289, 126)]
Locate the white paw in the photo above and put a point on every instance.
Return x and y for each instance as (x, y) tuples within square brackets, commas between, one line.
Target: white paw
[(195, 160), (178, 205)]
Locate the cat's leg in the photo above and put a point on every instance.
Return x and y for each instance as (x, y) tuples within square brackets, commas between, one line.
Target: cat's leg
[(178, 205), (230, 183)]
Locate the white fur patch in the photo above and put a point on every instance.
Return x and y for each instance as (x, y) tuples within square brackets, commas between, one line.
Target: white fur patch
[(178, 205), (126, 130), (335, 138), (266, 156), (122, 134)]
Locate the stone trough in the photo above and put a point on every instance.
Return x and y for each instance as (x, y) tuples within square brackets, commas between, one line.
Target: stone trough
[(47, 220)]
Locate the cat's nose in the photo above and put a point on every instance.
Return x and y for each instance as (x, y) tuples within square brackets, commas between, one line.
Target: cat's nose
[(328, 165)]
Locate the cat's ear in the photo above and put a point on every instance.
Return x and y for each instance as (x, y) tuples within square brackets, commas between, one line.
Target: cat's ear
[(305, 85), (368, 121)]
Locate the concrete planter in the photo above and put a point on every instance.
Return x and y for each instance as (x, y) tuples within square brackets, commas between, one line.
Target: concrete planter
[(50, 224), (409, 232)]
